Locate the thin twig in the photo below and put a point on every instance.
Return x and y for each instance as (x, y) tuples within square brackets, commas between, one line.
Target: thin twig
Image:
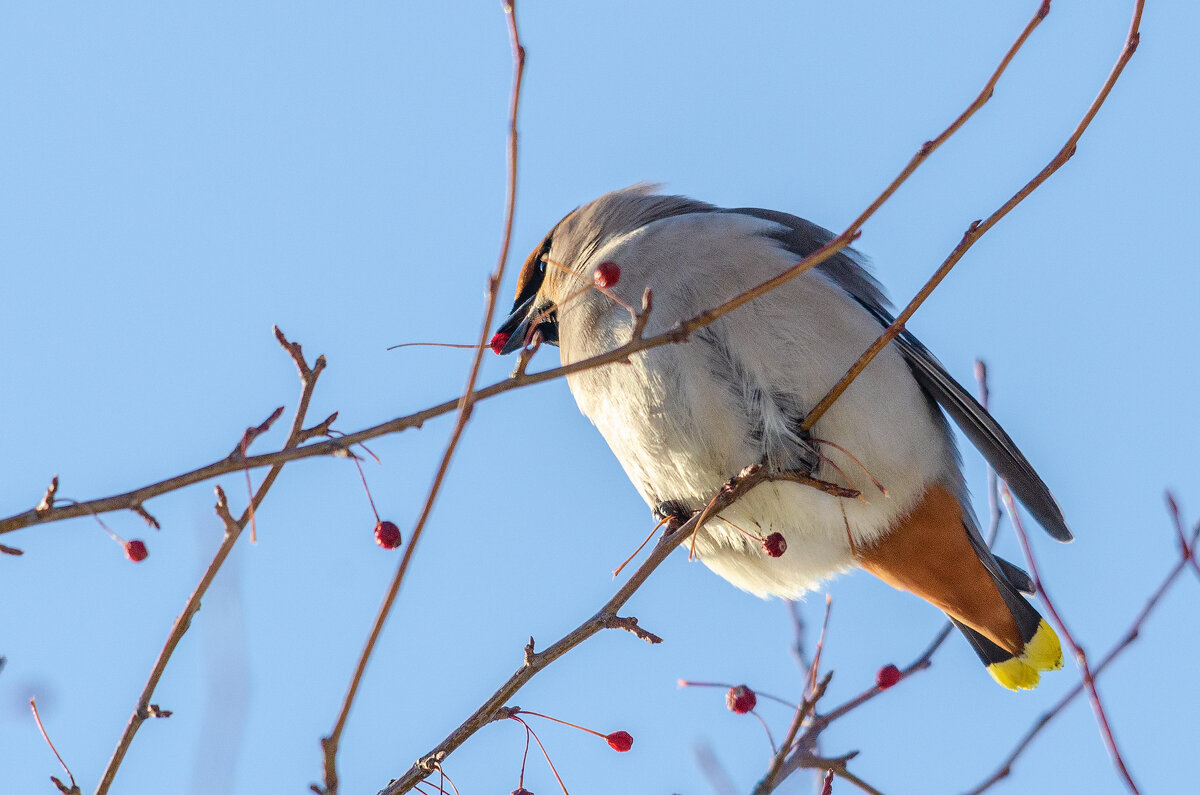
[(74, 788), (777, 771), (1187, 557), (141, 712), (493, 708), (1089, 679), (466, 404), (993, 482), (979, 228)]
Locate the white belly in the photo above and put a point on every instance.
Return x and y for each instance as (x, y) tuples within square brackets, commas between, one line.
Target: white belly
[(682, 419)]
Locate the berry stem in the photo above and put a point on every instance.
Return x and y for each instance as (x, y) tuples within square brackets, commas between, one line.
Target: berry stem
[(564, 722), (617, 571), (723, 686), (538, 740), (38, 719)]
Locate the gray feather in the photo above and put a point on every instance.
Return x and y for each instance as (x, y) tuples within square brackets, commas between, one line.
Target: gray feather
[(1019, 578), (802, 238)]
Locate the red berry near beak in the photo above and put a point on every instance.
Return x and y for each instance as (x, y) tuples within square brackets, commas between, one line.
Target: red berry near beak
[(387, 535), (774, 545), (607, 274), (499, 340), (136, 550), (887, 676), (740, 699), (620, 741)]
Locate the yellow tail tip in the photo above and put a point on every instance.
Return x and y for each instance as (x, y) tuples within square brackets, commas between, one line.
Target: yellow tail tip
[(1042, 653)]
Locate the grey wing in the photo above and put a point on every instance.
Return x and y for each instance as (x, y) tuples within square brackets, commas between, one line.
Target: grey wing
[(802, 238)]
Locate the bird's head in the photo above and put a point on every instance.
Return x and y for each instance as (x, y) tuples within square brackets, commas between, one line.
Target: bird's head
[(564, 264)]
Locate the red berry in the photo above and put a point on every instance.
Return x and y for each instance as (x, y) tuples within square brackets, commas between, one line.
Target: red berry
[(136, 550), (620, 741), (740, 699), (827, 784), (499, 340), (774, 545), (521, 791), (607, 274), (887, 676), (387, 535)]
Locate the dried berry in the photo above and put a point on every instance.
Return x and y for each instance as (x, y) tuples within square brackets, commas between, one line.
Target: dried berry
[(607, 274), (136, 550), (774, 545), (740, 699), (887, 676), (499, 340), (620, 741), (387, 535)]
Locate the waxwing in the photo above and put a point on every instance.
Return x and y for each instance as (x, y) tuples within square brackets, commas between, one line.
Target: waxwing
[(684, 418)]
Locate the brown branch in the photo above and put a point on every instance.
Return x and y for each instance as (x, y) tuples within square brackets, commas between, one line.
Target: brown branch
[(466, 404), (1186, 549), (233, 529), (630, 624), (776, 770), (47, 501), (1089, 679), (63, 788), (535, 662), (979, 228), (1187, 557), (802, 758)]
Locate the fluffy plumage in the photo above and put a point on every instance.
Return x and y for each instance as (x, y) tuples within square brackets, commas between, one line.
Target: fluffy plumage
[(682, 419)]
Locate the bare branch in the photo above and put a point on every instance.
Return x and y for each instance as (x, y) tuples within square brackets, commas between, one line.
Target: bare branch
[(979, 228), (233, 529), (1089, 679), (534, 662), (466, 404), (630, 624), (74, 788), (1187, 557)]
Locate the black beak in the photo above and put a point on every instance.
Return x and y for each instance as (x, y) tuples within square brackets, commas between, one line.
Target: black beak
[(516, 326)]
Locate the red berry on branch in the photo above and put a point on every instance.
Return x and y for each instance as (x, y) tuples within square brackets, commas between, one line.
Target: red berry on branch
[(521, 791), (620, 741), (499, 340), (774, 545), (136, 550), (887, 676), (827, 784), (607, 274), (740, 699), (387, 535)]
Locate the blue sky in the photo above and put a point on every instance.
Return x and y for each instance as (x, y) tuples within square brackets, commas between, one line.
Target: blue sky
[(176, 179)]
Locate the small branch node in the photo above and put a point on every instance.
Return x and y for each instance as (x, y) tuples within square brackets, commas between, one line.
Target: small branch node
[(820, 485), (141, 511), (630, 624), (47, 502), (640, 319), (222, 509), (535, 343), (320, 429)]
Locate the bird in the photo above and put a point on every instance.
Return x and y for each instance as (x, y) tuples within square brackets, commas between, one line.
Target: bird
[(683, 419)]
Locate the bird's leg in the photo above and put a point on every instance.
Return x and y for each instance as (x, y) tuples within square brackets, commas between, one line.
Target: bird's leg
[(674, 513)]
